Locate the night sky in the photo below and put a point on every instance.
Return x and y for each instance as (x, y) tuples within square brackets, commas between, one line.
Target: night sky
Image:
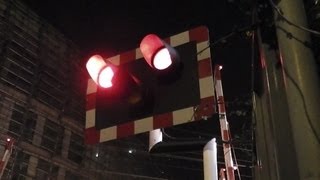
[(112, 27)]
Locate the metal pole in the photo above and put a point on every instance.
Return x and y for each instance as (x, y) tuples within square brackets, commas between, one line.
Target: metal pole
[(210, 163), (224, 125), (6, 156), (155, 136), (302, 85)]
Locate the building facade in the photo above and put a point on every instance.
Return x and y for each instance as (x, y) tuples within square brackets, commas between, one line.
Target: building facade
[(42, 97)]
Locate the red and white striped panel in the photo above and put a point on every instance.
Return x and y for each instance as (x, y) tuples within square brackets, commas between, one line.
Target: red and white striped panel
[(206, 108), (224, 125)]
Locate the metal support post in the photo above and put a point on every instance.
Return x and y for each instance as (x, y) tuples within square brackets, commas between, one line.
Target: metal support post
[(210, 163), (155, 136), (302, 85), (224, 125)]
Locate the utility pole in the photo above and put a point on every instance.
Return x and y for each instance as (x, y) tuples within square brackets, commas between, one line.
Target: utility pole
[(302, 85), (287, 110)]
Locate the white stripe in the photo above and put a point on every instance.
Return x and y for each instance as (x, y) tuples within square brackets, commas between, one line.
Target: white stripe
[(183, 115), (219, 88), (90, 118), (224, 124), (115, 59), (206, 87), (109, 133), (205, 53), (143, 125), (179, 39), (91, 87), (138, 53)]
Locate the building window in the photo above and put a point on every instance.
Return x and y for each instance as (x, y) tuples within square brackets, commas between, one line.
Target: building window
[(22, 125), (76, 148), (52, 137), (20, 166), (46, 170), (71, 176)]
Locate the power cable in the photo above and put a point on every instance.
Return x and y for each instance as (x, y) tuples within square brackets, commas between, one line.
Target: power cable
[(313, 129), (227, 36), (281, 14)]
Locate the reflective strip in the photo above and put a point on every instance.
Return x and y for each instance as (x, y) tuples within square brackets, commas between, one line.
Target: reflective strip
[(143, 125), (179, 39), (206, 87), (107, 134), (92, 87), (204, 53), (183, 116), (115, 60), (138, 53), (90, 118)]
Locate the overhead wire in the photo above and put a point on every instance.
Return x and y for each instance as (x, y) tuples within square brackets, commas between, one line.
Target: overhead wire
[(281, 14), (288, 21)]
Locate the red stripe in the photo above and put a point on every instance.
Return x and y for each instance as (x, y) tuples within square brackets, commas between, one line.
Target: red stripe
[(221, 105), (91, 135), (204, 68), (128, 56), (206, 108), (217, 72), (231, 172), (163, 120), (199, 34), (124, 130), (225, 135), (91, 101), (226, 138)]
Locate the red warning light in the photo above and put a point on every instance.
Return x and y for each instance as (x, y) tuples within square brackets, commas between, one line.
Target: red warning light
[(157, 53), (105, 77), (100, 72), (162, 59)]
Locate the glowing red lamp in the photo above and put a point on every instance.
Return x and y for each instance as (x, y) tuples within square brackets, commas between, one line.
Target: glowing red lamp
[(100, 71), (157, 53)]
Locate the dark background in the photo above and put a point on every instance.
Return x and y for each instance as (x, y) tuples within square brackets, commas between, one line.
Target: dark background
[(113, 27)]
